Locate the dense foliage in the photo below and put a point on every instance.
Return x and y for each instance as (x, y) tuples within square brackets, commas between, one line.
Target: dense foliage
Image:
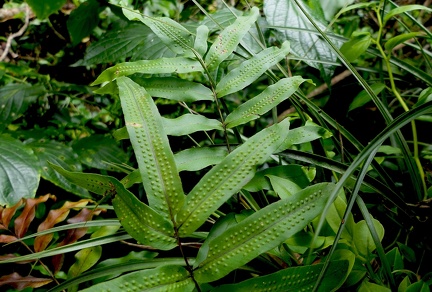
[(277, 145)]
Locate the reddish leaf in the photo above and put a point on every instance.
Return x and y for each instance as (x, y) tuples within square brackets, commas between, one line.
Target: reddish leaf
[(22, 222), (54, 217), (11, 256), (7, 238), (74, 234), (18, 282), (8, 213)]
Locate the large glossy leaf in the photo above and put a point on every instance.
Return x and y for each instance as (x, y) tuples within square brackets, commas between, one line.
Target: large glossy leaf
[(165, 278), (58, 153), (264, 102), (229, 38), (228, 177), (158, 66), (142, 222), (19, 171), (43, 9), (98, 151), (152, 150), (293, 279), (251, 69), (289, 20), (135, 41), (175, 88), (14, 101), (261, 232)]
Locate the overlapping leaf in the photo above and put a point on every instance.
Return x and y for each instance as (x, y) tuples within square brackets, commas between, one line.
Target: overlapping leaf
[(251, 69), (293, 279), (228, 177), (139, 220), (155, 159), (261, 232)]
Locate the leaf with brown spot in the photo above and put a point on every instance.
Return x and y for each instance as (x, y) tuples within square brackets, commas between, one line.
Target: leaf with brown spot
[(54, 217), (22, 222), (19, 282)]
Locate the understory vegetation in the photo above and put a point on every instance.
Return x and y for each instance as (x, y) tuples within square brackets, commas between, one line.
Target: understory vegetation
[(277, 145)]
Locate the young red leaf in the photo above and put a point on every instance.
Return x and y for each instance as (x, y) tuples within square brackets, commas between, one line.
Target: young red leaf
[(22, 222), (54, 217), (7, 238), (8, 213), (19, 282)]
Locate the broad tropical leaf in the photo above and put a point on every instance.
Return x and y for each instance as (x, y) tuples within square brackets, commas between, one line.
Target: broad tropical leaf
[(228, 177), (165, 278), (293, 279), (19, 171), (155, 159), (142, 222), (264, 102), (227, 41), (158, 66), (260, 232), (251, 69)]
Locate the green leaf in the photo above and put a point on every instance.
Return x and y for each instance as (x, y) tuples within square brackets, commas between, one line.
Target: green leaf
[(173, 34), (96, 183), (135, 41), (287, 18), (19, 171), (367, 286), (85, 259), (363, 97), (330, 7), (194, 159), (295, 173), (130, 257), (283, 187), (251, 69), (261, 231), (200, 44), (165, 278), (356, 45), (229, 38), (407, 252), (97, 151), (151, 146), (15, 99), (403, 9), (158, 66), (228, 177), (334, 218), (293, 279), (394, 41), (362, 238), (307, 133), (175, 89), (45, 8), (189, 123), (264, 102), (83, 20), (48, 151), (395, 259), (139, 220)]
